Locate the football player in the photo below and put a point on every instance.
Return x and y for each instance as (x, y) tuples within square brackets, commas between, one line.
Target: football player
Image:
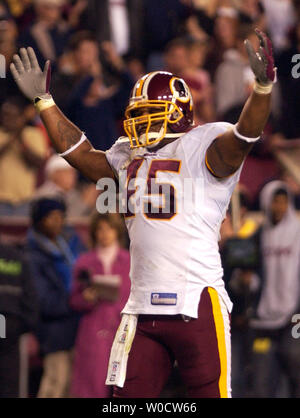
[(178, 309)]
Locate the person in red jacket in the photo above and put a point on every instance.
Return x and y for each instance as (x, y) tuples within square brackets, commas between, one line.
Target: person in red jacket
[(100, 291)]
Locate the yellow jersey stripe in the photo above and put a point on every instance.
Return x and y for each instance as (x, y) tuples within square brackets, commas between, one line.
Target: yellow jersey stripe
[(220, 331)]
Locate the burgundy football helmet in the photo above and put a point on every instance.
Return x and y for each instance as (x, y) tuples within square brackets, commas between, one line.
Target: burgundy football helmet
[(158, 101)]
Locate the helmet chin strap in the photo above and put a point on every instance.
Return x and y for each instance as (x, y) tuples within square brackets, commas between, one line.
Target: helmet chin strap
[(155, 135)]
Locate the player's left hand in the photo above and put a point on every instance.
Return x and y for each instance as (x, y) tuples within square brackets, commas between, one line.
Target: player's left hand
[(262, 62)]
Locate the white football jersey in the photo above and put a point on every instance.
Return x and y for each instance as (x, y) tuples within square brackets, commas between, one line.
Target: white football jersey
[(175, 209)]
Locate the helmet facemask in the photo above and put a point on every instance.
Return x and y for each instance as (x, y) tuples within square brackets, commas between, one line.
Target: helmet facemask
[(162, 111)]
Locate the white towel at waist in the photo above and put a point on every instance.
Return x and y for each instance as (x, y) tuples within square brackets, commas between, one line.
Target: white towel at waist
[(117, 365)]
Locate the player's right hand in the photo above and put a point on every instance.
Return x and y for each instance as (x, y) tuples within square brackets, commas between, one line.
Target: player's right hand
[(31, 80)]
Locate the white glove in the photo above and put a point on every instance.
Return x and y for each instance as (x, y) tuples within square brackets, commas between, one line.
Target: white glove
[(31, 80)]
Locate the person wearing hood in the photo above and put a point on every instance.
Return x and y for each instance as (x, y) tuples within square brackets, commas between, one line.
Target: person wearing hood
[(53, 252), (274, 349)]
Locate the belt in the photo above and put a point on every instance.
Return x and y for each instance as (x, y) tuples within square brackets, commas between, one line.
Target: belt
[(181, 317)]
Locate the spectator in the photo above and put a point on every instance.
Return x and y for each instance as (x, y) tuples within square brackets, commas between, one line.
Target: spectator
[(81, 59), (120, 22), (289, 85), (135, 67), (61, 181), (225, 28), (233, 76), (52, 256), (74, 11), (48, 33), (18, 305), (8, 35), (199, 81), (293, 186), (275, 351), (23, 148), (176, 56), (100, 291), (185, 57), (199, 25), (252, 11), (240, 258), (22, 12), (280, 19), (8, 38), (96, 107), (163, 22)]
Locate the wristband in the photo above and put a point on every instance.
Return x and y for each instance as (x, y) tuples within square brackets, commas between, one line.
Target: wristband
[(244, 138), (73, 148), (260, 89), (42, 103)]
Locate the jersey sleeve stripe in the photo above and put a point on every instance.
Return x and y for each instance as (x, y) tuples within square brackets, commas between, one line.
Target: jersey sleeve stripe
[(212, 171)]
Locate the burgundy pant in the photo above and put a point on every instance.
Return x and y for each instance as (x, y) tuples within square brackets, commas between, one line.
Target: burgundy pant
[(200, 346)]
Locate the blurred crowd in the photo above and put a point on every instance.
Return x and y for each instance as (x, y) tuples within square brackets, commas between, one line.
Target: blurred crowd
[(68, 292)]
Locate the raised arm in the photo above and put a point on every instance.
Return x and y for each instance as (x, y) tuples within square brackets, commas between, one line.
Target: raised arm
[(228, 151), (67, 139)]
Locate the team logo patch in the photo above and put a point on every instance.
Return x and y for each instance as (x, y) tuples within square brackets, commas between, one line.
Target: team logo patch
[(163, 298)]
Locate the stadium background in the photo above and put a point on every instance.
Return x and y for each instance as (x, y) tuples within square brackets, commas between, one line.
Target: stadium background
[(98, 49)]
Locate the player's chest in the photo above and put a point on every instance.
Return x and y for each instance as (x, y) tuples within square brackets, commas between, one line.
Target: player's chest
[(155, 168), (155, 187)]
